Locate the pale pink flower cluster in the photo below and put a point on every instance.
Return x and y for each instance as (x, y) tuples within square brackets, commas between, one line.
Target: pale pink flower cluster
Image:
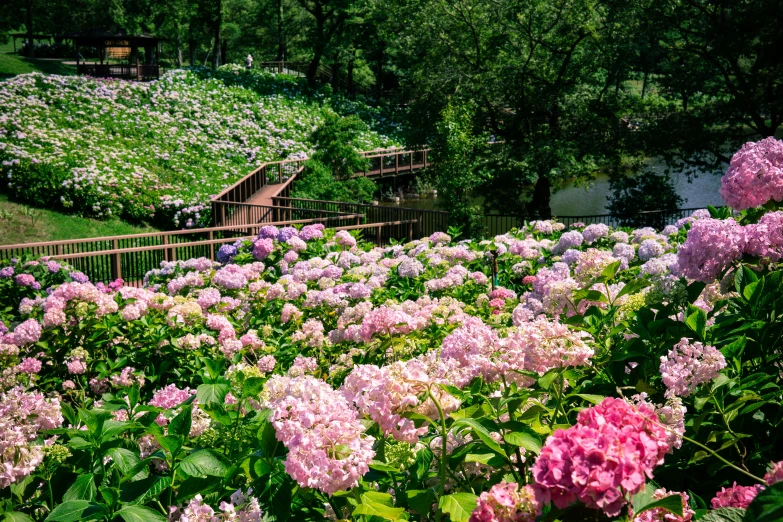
[(552, 294), (327, 449), (311, 334), (542, 344), (241, 508), (22, 415), (27, 332), (603, 459), (775, 474), (663, 515), (595, 232), (736, 496), (455, 276), (473, 345), (591, 263), (303, 366), (712, 245), (755, 175), (345, 239), (765, 238), (507, 502), (688, 365)]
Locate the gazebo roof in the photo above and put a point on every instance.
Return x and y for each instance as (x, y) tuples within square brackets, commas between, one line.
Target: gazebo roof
[(107, 37)]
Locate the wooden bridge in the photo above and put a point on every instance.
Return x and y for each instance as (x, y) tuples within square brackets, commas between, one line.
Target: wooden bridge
[(265, 194)]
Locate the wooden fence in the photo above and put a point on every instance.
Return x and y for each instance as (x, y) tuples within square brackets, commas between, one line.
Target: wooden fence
[(427, 221), (131, 256)]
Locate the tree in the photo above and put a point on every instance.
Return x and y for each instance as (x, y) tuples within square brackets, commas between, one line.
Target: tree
[(721, 78), (335, 142), (646, 192), (459, 153)]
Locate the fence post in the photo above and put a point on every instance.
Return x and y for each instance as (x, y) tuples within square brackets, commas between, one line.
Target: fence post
[(378, 236), (410, 231), (419, 219), (116, 269), (165, 250), (396, 164), (211, 246), (380, 167)]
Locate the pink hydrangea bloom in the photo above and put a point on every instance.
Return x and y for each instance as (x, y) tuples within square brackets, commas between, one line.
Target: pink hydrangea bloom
[(327, 449), (712, 245), (736, 496), (266, 363), (607, 456), (541, 344), (689, 364), (27, 332), (507, 502), (775, 474), (755, 175), (345, 239), (262, 248), (30, 366), (765, 238), (22, 415)]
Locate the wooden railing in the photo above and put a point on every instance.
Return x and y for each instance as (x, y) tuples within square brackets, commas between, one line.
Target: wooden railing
[(131, 256), (427, 221), (324, 73), (394, 162), (125, 71)]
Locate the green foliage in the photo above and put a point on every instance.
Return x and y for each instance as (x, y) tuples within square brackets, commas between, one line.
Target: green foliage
[(336, 145), (318, 182), (458, 153)]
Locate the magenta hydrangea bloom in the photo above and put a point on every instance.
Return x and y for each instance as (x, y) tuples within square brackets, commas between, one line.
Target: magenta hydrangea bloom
[(775, 474), (755, 175), (663, 515), (765, 238), (262, 248), (736, 496), (712, 245), (603, 459)]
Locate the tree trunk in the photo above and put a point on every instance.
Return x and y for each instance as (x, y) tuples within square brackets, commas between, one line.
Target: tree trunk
[(224, 51), (542, 194), (281, 51), (28, 21), (315, 64), (644, 84), (218, 48), (179, 44), (351, 64)]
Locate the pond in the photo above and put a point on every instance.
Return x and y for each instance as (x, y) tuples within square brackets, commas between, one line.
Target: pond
[(589, 200)]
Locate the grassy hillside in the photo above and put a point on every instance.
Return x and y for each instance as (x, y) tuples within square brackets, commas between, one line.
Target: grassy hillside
[(22, 224), (12, 64), (155, 152)]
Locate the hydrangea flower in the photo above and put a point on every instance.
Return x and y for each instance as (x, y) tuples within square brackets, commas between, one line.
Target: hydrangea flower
[(507, 502), (689, 364), (603, 459), (735, 496), (712, 245), (595, 232), (755, 175)]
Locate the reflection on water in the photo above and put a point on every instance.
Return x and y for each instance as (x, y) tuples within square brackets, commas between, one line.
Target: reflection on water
[(584, 201)]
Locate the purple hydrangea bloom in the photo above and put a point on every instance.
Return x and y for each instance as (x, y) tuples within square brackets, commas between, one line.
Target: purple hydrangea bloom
[(262, 248), (268, 232), (6, 272), (310, 232), (226, 253), (287, 233), (79, 277)]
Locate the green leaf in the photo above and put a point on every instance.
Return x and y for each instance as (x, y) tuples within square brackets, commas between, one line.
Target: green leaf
[(252, 387), (421, 500), (724, 515), (697, 321), (632, 287), (610, 271), (767, 506), (140, 491), (377, 506), (203, 463), (82, 489), (212, 393), (593, 399), (74, 510), (483, 434), (671, 503), (124, 459), (459, 506), (180, 425), (527, 440), (140, 514), (16, 516)]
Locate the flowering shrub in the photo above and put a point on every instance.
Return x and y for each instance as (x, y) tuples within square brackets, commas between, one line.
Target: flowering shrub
[(157, 151), (308, 375)]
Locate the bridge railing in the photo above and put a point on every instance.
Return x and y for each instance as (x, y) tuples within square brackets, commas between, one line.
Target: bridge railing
[(131, 256), (427, 221)]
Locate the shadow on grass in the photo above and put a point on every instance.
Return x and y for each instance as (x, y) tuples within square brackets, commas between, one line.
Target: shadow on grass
[(12, 64)]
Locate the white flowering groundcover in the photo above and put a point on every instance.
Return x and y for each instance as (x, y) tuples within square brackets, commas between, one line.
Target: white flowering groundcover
[(157, 151), (307, 375)]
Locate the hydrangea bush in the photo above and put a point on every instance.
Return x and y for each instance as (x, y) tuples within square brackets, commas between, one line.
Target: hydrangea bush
[(157, 151), (308, 375)]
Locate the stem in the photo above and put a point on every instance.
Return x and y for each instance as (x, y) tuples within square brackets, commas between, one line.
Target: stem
[(51, 495), (560, 399), (444, 448)]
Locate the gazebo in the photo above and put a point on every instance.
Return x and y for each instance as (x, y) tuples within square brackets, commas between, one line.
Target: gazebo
[(119, 46)]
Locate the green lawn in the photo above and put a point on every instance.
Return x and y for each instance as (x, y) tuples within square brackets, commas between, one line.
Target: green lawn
[(46, 225), (12, 64)]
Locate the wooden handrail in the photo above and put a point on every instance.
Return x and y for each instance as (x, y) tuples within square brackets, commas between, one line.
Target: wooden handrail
[(176, 232)]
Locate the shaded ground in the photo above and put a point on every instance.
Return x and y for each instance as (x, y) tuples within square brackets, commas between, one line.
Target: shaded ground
[(12, 64)]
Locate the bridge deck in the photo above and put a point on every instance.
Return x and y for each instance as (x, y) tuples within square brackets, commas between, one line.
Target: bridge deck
[(264, 196)]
